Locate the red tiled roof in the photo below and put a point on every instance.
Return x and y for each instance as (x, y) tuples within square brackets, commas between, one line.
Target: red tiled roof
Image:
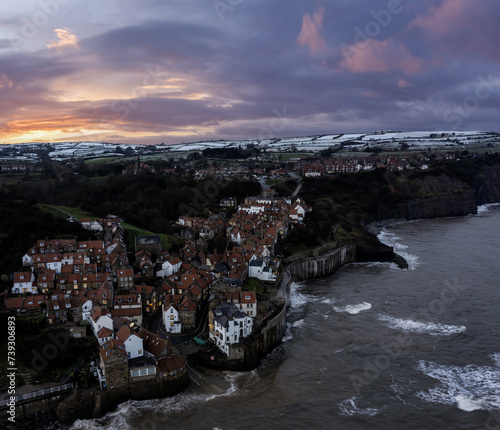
[(127, 312), (22, 277), (171, 364), (154, 344), (104, 332), (124, 333)]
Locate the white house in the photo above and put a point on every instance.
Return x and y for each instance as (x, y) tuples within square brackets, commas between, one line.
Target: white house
[(102, 325), (53, 262), (248, 303), (252, 208), (133, 344), (230, 325), (87, 307), (89, 224), (298, 211), (24, 283), (169, 267), (27, 259), (171, 318), (263, 269)]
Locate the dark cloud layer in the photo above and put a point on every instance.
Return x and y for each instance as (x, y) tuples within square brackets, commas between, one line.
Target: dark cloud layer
[(235, 69)]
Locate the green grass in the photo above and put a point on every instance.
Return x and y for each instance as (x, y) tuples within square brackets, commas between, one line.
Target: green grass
[(131, 230), (274, 181), (64, 211), (107, 160), (252, 284), (288, 155)]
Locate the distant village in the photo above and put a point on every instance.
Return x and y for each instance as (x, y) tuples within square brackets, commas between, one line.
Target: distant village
[(91, 288), (272, 165)]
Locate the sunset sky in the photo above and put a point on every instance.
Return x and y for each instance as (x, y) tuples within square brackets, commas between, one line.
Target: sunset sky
[(153, 71)]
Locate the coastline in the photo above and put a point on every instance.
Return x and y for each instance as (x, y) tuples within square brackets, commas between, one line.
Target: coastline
[(311, 262)]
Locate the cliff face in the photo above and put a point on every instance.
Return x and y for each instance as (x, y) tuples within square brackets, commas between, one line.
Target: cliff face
[(486, 185), (344, 204), (428, 196)]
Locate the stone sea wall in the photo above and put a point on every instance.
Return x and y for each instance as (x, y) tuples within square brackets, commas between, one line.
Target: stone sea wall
[(321, 265)]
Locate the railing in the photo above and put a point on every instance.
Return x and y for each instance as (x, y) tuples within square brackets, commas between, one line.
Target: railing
[(38, 393)]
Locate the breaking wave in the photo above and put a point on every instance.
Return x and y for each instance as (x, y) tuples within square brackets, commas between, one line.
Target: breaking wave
[(469, 388), (389, 238), (433, 329), (486, 208), (349, 408), (353, 309)]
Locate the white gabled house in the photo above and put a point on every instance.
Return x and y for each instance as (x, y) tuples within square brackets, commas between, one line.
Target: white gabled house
[(53, 262), (90, 224), (24, 282), (230, 325), (264, 269), (87, 307), (27, 259), (169, 267), (102, 325), (171, 318), (134, 346)]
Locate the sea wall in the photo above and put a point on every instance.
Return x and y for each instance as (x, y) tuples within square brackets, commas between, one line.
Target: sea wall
[(322, 265), (93, 404), (28, 412)]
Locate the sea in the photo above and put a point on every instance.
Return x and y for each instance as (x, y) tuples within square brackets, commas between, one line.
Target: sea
[(370, 347)]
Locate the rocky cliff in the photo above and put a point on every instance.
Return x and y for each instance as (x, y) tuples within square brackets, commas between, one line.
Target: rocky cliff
[(486, 184), (344, 204), (427, 196)]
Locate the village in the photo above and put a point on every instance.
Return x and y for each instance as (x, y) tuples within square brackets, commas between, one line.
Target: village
[(273, 165), (140, 304)]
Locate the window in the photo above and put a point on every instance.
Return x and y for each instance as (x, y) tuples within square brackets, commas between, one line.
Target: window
[(134, 372)]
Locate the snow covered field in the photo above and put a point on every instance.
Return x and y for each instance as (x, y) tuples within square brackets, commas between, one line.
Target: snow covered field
[(415, 140)]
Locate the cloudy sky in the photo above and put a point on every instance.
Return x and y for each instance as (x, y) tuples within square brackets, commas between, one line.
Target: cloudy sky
[(152, 71)]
